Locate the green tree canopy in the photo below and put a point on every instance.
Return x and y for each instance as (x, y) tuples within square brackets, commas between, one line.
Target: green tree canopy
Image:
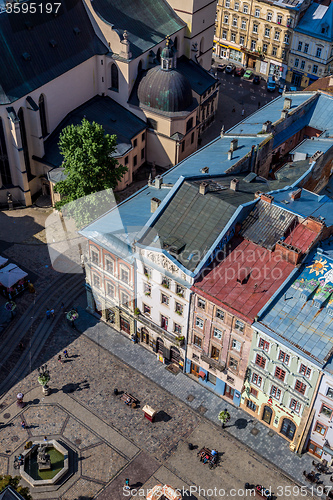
[(89, 168), (14, 483)]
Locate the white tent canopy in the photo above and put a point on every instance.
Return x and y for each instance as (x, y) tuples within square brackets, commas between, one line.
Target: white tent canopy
[(3, 261), (10, 275)]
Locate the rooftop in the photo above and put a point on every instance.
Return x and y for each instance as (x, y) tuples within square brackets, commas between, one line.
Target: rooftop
[(309, 204), (317, 22), (261, 271), (309, 147)]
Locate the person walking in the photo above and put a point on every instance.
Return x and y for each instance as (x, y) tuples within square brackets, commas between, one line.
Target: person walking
[(23, 424), (66, 354), (62, 305), (234, 109), (59, 359), (243, 112), (52, 313), (45, 439), (48, 314), (126, 485)]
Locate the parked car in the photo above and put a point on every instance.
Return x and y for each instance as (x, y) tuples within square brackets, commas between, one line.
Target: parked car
[(230, 68), (256, 80), (281, 88), (247, 74), (293, 89), (270, 86), (221, 67), (239, 71)]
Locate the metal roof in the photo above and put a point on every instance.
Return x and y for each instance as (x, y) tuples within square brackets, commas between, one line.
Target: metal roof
[(317, 18), (18, 76), (309, 203), (311, 146)]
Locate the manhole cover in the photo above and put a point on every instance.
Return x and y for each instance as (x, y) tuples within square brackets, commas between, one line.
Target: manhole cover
[(77, 441), (271, 433), (202, 409), (15, 438), (255, 431), (190, 398), (6, 415)]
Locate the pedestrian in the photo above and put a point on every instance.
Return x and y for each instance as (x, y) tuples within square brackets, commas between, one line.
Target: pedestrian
[(52, 313), (65, 354), (258, 104), (126, 485), (21, 346), (234, 109), (23, 424), (59, 358), (62, 305), (48, 314), (243, 112), (45, 439)]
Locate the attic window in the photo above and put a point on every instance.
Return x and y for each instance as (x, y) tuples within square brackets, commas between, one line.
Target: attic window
[(53, 43), (28, 25), (26, 56), (77, 31)]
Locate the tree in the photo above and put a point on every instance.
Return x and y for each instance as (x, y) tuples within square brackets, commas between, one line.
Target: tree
[(89, 168), (224, 417), (14, 483)]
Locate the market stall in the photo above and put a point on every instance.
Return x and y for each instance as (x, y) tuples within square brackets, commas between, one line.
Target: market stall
[(3, 261), (12, 280), (160, 492)]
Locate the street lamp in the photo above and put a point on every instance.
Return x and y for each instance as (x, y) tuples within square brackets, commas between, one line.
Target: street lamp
[(44, 378)]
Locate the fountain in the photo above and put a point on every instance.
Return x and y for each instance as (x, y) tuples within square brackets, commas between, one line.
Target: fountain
[(44, 463)]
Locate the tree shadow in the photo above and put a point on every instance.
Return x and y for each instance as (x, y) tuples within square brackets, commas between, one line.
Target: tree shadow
[(162, 416), (75, 387), (241, 423)]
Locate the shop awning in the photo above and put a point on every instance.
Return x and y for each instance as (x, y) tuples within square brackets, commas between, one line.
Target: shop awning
[(10, 275), (202, 374)]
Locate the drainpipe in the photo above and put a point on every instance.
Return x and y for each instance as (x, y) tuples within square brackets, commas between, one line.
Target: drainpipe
[(187, 333), (177, 153)]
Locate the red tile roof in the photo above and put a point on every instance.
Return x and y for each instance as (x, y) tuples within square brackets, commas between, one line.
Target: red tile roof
[(267, 273), (301, 237)]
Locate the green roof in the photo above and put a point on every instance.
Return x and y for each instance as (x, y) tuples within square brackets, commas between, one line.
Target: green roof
[(147, 22), (37, 48)]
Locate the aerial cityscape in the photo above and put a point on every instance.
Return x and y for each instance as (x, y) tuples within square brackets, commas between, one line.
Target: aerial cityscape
[(166, 249)]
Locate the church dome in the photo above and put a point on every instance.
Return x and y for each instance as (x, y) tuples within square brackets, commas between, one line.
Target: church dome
[(168, 91)]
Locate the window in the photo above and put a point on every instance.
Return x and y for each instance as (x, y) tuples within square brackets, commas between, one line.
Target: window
[(227, 3), (124, 299), (164, 322), (279, 19), (274, 51), (286, 38), (211, 378), (264, 345), (25, 146), (326, 411), (233, 37), (236, 345), (251, 405), (146, 309), (320, 428), (126, 160), (295, 406), (257, 13), (300, 387), (302, 64), (306, 48), (135, 161), (199, 322), (114, 78), (269, 16), (279, 373), (234, 22), (201, 303), (256, 379), (241, 40), (236, 7), (283, 53), (329, 392), (226, 19), (165, 282), (180, 290), (245, 9), (179, 308), (97, 281), (289, 22), (275, 392), (164, 299), (177, 329), (254, 392), (300, 45), (318, 52), (217, 334), (233, 363), (135, 143), (192, 138), (315, 69), (152, 123), (267, 32), (260, 361), (264, 47), (305, 370), (110, 290), (42, 115), (239, 325), (189, 124), (5, 173), (147, 272), (124, 275), (284, 357), (224, 35), (219, 314), (255, 28), (142, 153), (143, 137), (243, 25), (109, 266), (197, 341), (296, 62), (215, 353), (94, 257), (147, 289), (277, 35)]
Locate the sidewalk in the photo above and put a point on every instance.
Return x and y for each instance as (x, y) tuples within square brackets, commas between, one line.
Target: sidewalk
[(251, 432)]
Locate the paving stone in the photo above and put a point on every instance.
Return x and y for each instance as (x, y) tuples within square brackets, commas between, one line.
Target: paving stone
[(79, 435), (83, 488), (101, 462)]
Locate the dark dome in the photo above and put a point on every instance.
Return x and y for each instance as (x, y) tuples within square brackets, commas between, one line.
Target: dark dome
[(168, 91)]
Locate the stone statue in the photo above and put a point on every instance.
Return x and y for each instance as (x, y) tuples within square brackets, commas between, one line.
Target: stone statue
[(43, 458)]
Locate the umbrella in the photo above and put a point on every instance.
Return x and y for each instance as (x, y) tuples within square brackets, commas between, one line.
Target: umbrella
[(10, 305), (72, 315)]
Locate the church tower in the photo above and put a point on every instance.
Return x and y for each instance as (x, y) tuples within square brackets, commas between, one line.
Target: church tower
[(199, 15)]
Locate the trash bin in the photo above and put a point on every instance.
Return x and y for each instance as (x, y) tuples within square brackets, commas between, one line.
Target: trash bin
[(149, 413)]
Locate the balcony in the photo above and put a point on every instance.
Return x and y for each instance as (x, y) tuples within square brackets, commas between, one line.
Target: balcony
[(153, 326), (219, 365)]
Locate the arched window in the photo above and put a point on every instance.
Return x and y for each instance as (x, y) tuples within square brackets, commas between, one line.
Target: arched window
[(158, 55), (5, 174), (139, 67), (114, 78), (20, 115), (42, 115), (175, 43), (267, 415)]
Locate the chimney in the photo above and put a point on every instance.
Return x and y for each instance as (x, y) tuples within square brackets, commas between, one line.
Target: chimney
[(234, 184), (234, 145), (257, 194), (315, 156), (288, 253), (205, 170), (203, 188), (266, 127), (229, 155), (154, 204), (295, 195), (314, 224), (284, 114), (158, 181), (266, 197), (287, 103)]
